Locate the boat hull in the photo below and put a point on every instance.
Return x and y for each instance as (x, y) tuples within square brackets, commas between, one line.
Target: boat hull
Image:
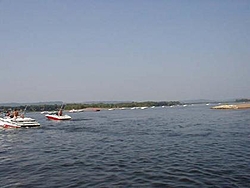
[(18, 122), (9, 126), (56, 117)]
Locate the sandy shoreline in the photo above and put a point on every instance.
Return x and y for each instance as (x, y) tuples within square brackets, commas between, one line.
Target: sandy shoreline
[(233, 106)]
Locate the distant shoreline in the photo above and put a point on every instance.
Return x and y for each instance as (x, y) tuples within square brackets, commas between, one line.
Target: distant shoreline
[(238, 104)]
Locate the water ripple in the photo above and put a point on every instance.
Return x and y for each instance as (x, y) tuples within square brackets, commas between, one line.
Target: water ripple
[(174, 147)]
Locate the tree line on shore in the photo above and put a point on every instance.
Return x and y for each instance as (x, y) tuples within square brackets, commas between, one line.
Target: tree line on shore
[(242, 100), (77, 106)]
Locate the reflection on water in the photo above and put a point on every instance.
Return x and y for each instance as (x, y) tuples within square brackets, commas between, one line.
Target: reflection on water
[(192, 146)]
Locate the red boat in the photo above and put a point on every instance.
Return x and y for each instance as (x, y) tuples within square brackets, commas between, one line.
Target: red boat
[(56, 117)]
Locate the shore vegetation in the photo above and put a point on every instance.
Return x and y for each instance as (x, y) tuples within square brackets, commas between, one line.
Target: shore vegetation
[(76, 106)]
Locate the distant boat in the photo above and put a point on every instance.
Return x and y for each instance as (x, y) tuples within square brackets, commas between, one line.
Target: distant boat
[(74, 111), (48, 112), (45, 112)]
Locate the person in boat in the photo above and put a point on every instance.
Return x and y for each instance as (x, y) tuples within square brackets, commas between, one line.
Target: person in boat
[(7, 113), (11, 114), (60, 112), (15, 113)]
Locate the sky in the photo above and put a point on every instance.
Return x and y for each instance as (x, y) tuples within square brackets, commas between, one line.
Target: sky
[(136, 50)]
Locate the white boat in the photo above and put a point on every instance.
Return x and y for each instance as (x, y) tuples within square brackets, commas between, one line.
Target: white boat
[(18, 122), (56, 117), (49, 112), (75, 111)]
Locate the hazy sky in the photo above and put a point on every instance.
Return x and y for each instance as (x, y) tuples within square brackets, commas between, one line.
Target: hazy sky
[(105, 50)]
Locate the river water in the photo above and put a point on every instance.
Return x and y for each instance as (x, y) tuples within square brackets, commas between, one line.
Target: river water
[(192, 146)]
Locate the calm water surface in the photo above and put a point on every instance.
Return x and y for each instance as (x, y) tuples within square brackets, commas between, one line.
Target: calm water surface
[(191, 146)]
